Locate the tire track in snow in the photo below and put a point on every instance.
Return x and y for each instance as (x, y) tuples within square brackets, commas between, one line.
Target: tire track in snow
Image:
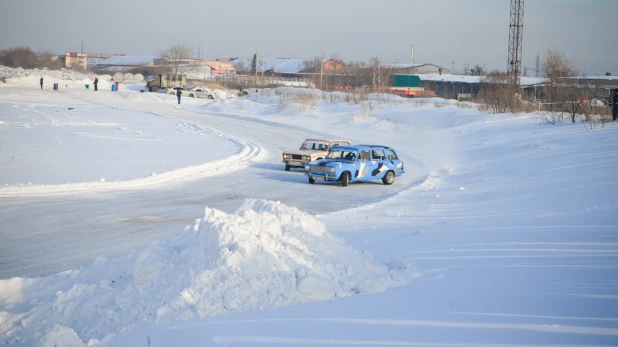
[(248, 152)]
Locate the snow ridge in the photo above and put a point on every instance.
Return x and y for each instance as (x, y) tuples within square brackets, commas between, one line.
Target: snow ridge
[(264, 255)]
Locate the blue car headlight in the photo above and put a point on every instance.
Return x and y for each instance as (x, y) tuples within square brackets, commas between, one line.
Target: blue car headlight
[(332, 170), (307, 167)]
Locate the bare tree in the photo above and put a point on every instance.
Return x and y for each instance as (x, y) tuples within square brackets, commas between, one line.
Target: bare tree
[(556, 67), (477, 70), (240, 66), (496, 94), (25, 58), (380, 73), (312, 64), (574, 96), (357, 72), (176, 55)]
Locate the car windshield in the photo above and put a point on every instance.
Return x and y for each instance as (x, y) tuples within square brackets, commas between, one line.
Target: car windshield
[(315, 145), (342, 154)]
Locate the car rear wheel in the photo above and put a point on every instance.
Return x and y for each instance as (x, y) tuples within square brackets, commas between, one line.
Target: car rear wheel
[(192, 95), (388, 178), (345, 179), (154, 89), (311, 180), (287, 168)]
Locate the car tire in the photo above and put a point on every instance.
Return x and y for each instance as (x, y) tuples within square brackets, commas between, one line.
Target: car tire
[(345, 179), (311, 180), (192, 95), (154, 89), (211, 97), (287, 168), (389, 178)]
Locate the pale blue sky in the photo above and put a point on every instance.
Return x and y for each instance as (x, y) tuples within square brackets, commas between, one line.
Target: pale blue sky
[(442, 31)]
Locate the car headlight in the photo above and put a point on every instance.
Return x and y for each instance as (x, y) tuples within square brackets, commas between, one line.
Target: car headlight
[(332, 170), (286, 156), (307, 167), (306, 157)]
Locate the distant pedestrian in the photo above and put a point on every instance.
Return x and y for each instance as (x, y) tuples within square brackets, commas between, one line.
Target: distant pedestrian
[(178, 93), (41, 82), (96, 82), (614, 104)]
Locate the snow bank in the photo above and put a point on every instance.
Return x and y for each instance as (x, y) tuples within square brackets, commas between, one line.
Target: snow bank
[(64, 77), (264, 255)]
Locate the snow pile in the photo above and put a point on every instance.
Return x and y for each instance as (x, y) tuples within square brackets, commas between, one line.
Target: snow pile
[(64, 77), (264, 255)]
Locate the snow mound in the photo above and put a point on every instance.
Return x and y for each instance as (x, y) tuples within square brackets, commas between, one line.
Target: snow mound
[(61, 336), (64, 77), (264, 255)]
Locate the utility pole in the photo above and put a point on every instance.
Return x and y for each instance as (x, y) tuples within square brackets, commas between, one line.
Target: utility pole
[(82, 46), (538, 64), (263, 54), (321, 66), (412, 55), (516, 32), (198, 52), (257, 53)]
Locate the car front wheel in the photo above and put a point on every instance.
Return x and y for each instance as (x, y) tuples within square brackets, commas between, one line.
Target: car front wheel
[(287, 168), (345, 178), (389, 178), (311, 180)]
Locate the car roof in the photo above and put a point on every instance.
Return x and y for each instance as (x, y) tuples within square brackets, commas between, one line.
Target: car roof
[(329, 140), (359, 147)]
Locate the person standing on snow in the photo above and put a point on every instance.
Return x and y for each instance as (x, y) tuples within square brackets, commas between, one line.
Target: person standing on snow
[(41, 82), (96, 81), (178, 93), (613, 101)]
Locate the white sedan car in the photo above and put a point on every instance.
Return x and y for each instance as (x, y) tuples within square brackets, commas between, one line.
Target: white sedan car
[(199, 92)]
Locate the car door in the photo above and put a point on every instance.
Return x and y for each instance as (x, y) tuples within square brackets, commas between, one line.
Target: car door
[(378, 166), (363, 167), (391, 156)]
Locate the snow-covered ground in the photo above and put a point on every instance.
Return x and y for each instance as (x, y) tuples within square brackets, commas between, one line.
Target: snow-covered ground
[(502, 232)]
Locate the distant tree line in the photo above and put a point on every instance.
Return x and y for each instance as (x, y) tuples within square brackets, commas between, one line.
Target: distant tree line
[(563, 94), (25, 58)]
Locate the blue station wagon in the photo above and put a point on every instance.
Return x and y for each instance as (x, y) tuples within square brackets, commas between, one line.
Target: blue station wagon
[(360, 163)]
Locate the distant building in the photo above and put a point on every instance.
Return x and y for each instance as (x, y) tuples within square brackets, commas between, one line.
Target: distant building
[(221, 67), (127, 62), (193, 68), (413, 69), (74, 60), (84, 60)]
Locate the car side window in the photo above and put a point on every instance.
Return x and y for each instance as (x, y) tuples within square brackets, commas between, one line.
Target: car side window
[(378, 154), (391, 155), (364, 156)]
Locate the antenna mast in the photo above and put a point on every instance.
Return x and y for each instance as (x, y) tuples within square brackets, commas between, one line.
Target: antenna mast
[(516, 32)]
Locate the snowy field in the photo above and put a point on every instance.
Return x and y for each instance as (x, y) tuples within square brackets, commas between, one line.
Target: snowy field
[(129, 220)]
